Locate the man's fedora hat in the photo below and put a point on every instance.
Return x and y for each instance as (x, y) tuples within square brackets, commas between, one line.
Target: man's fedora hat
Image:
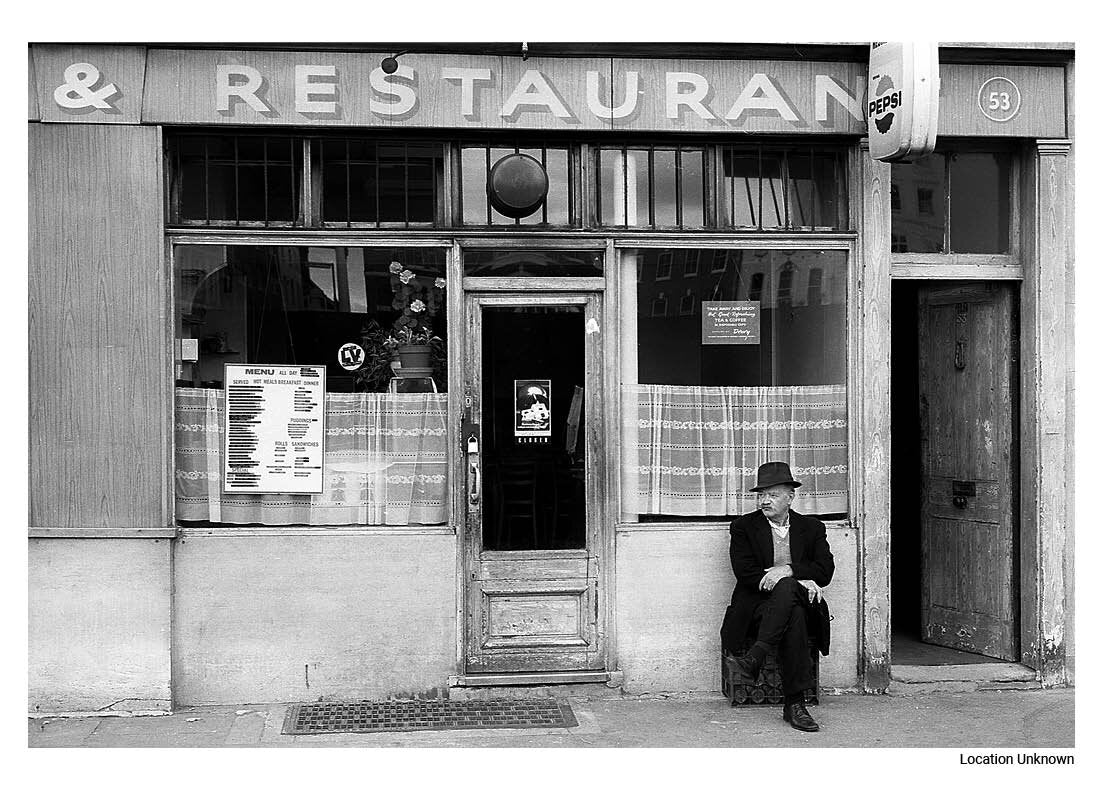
[(773, 473)]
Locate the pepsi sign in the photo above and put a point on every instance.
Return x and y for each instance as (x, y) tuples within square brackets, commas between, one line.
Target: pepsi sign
[(903, 100)]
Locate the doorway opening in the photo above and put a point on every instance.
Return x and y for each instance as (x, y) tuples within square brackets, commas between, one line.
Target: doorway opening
[(954, 465)]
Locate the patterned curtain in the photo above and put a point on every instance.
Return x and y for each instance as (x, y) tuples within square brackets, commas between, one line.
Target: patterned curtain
[(694, 451), (385, 464)]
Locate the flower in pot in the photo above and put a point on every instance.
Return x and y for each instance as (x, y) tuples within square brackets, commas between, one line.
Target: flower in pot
[(412, 338)]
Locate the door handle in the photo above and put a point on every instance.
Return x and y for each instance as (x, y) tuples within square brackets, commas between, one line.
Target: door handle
[(474, 481)]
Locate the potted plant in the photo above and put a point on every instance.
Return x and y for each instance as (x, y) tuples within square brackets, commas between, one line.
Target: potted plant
[(414, 347), (411, 338)]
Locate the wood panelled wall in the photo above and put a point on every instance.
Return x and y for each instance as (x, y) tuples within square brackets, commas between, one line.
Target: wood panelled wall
[(100, 374)]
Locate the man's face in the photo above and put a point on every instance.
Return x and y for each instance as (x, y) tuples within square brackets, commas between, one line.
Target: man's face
[(774, 501)]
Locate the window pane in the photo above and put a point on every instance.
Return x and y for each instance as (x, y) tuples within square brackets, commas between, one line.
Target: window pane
[(532, 262), (496, 154), (801, 191), (638, 188), (830, 190), (699, 416), (392, 183), (773, 211), (282, 204), (665, 188), (979, 203), (537, 216), (740, 182), (558, 191), (250, 191), (193, 186), (919, 223), (692, 188), (222, 192), (363, 182), (611, 183), (421, 189), (474, 185)]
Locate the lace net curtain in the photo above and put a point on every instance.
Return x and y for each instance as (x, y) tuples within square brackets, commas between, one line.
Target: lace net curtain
[(695, 450), (385, 464)]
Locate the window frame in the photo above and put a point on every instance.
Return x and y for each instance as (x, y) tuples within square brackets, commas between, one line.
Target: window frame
[(626, 334), (964, 265)]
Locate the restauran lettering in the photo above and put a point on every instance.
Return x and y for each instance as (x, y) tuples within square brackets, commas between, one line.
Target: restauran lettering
[(318, 93)]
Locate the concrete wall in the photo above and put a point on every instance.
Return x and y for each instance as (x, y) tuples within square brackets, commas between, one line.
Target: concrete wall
[(267, 617), (99, 620), (673, 583)]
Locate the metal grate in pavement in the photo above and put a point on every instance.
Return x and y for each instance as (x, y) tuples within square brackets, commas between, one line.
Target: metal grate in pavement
[(316, 718)]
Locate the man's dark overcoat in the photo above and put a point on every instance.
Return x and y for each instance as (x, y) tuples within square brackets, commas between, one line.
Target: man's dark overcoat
[(752, 556)]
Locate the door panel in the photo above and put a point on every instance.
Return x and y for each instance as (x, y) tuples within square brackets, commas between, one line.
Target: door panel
[(968, 405), (532, 574)]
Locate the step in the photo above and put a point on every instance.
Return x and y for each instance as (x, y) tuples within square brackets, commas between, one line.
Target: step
[(535, 684), (909, 679)]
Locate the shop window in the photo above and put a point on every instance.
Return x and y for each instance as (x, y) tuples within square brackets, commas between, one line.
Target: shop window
[(705, 404), (385, 445), (476, 160), (766, 189), (650, 186), (241, 180), (954, 202)]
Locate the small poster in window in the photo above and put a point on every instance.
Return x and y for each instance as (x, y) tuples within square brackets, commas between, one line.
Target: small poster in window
[(275, 429), (731, 322), (533, 411)]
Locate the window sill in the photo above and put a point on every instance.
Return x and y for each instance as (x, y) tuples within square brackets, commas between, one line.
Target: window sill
[(267, 531)]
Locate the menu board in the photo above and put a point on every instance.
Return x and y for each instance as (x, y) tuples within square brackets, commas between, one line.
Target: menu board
[(275, 429), (731, 322)]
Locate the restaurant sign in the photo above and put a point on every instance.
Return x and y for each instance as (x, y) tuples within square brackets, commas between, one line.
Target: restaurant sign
[(99, 83), (476, 91)]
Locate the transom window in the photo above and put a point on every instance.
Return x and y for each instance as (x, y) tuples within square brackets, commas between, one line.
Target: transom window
[(328, 180), (953, 202)]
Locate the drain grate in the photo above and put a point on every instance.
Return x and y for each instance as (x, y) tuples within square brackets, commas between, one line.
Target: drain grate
[(404, 715)]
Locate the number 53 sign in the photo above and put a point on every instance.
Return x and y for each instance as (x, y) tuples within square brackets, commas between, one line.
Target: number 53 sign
[(1000, 99)]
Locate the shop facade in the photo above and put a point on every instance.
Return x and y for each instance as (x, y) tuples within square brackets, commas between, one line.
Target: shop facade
[(718, 275)]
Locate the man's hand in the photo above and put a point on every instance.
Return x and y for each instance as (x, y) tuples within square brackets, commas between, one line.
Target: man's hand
[(773, 576), (814, 592)]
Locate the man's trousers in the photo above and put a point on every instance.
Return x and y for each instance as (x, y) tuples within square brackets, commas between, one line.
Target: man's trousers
[(781, 616)]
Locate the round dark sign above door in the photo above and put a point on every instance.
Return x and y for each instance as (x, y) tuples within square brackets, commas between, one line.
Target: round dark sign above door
[(517, 185)]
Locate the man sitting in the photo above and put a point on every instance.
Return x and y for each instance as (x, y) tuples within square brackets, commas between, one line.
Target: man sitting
[(782, 561)]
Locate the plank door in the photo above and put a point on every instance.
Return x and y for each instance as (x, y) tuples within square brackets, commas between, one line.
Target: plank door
[(969, 412), (534, 485)]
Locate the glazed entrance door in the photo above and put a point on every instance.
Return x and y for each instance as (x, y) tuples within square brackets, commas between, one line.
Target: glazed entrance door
[(532, 457), (968, 404)]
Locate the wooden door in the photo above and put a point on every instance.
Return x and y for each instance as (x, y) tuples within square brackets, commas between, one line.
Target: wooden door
[(535, 470), (969, 413)]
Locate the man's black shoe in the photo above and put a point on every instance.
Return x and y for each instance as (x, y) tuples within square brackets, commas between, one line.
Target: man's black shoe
[(749, 667), (796, 714)]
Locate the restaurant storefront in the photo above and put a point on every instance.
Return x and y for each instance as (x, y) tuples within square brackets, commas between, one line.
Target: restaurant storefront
[(543, 317)]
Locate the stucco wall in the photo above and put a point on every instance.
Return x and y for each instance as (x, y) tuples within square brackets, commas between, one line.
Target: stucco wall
[(673, 584), (98, 624), (266, 617)]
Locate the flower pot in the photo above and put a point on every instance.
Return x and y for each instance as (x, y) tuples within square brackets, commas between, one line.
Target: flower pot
[(416, 360)]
